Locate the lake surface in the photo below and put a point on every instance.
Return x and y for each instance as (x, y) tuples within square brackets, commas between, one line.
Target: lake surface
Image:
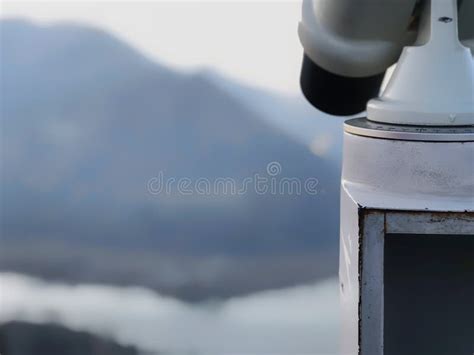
[(299, 320)]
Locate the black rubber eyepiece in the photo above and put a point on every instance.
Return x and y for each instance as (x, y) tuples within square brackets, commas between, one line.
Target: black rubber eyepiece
[(334, 94)]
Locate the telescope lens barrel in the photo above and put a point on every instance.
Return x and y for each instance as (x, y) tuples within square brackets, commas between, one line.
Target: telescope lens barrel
[(335, 94)]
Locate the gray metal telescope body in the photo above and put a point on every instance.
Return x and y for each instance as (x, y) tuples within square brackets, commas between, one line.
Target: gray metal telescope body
[(407, 189)]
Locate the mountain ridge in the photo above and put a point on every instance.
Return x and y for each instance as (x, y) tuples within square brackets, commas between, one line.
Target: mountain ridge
[(87, 126)]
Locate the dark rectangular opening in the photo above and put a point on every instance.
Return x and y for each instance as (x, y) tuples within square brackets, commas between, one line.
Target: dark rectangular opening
[(429, 294)]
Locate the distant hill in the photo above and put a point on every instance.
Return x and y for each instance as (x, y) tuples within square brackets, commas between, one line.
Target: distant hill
[(87, 121), (19, 338), (293, 115)]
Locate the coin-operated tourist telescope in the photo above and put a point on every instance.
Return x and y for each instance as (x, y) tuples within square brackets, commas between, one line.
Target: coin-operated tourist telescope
[(407, 191)]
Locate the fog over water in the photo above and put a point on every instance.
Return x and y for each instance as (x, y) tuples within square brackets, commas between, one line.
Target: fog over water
[(299, 320)]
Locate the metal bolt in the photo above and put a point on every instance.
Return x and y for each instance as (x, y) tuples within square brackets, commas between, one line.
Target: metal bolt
[(445, 19)]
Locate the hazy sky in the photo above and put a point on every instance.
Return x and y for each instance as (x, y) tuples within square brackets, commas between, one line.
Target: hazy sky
[(252, 41)]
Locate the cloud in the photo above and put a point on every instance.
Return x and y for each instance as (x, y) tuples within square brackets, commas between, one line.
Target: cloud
[(299, 320)]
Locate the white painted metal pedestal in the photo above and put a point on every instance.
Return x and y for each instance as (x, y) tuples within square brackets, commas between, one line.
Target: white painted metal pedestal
[(407, 238)]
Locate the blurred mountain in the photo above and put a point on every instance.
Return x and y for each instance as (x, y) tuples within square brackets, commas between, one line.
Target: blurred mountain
[(293, 115), (19, 338), (87, 121)]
